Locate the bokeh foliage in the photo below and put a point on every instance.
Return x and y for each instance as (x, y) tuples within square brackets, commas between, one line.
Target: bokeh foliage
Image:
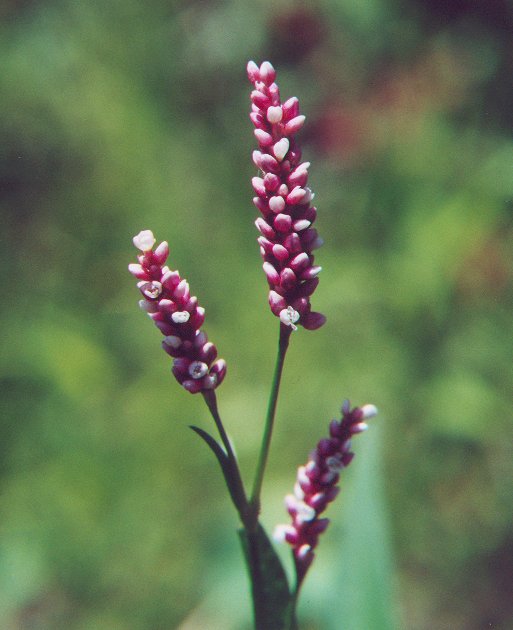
[(120, 116)]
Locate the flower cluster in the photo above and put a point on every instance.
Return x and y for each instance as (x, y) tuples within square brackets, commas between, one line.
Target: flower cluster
[(176, 313), (316, 485), (282, 196)]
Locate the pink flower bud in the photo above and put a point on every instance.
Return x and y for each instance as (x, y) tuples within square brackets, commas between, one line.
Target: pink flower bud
[(272, 275), (299, 262), (288, 279), (291, 108), (267, 73), (256, 118), (260, 100), (138, 271), (277, 204), (294, 125), (280, 252), (161, 253), (253, 71), (277, 302), (282, 222), (293, 243), (265, 229), (258, 186), (295, 196), (313, 321), (268, 163), (265, 139), (271, 182), (299, 176)]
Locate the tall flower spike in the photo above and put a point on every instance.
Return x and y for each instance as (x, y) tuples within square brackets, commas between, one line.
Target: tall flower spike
[(167, 300), (316, 486), (287, 237)]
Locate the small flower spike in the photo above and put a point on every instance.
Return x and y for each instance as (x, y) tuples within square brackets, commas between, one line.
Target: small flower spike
[(287, 237), (316, 486), (168, 302)]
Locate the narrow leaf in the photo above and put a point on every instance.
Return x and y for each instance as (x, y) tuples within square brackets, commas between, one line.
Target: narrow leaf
[(271, 596), (223, 460)]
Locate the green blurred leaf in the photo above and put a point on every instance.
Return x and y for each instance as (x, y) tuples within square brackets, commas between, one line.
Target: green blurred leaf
[(459, 401), (365, 568)]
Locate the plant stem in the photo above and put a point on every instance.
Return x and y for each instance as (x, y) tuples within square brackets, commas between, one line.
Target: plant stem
[(293, 611), (293, 604), (256, 555), (240, 492), (269, 422)]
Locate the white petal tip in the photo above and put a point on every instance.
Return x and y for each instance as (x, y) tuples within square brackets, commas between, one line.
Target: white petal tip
[(180, 317), (369, 411), (144, 240)]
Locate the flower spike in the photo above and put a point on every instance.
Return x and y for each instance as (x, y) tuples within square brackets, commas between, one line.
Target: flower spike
[(168, 302), (316, 486), (287, 237)]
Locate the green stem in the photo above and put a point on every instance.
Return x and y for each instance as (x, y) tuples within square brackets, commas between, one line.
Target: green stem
[(269, 422), (257, 555), (293, 606), (293, 611), (240, 492)]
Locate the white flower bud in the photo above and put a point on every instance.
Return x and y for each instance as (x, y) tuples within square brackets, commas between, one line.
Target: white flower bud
[(180, 317), (144, 240), (369, 411), (280, 149), (274, 114)]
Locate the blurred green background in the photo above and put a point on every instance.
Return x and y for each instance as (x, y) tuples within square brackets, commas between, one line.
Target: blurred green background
[(120, 116)]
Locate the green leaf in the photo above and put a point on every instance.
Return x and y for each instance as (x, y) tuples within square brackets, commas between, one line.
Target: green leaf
[(269, 586), (365, 567), (223, 460)]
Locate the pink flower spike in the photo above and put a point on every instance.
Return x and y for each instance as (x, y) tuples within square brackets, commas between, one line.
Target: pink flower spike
[(176, 314), (283, 198), (316, 486)]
